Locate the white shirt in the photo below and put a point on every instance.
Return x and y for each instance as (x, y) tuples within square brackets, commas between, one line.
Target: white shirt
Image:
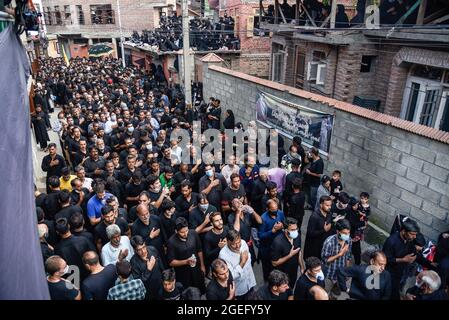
[(88, 183), (226, 171), (108, 126), (109, 253), (243, 277)]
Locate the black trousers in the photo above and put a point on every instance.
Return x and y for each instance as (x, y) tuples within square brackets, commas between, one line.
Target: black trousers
[(357, 252)]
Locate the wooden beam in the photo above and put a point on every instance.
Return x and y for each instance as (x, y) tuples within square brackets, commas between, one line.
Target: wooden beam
[(439, 20), (325, 22), (297, 12), (308, 15), (276, 11), (421, 12), (333, 13)]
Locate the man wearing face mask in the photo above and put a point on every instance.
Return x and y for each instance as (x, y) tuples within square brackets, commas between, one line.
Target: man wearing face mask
[(427, 288), (271, 227), (312, 276), (286, 251), (199, 216), (336, 253), (213, 184), (60, 288), (401, 252), (369, 282)]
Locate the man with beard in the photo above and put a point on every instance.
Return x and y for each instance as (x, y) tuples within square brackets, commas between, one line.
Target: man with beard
[(147, 265), (401, 253), (108, 218), (187, 201), (168, 217), (215, 239), (94, 165), (318, 228), (52, 164), (148, 226), (185, 255)]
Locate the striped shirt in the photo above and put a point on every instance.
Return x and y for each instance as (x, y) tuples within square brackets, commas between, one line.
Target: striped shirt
[(332, 247)]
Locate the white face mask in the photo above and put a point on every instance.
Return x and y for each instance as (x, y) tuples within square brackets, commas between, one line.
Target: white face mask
[(66, 270), (320, 276)]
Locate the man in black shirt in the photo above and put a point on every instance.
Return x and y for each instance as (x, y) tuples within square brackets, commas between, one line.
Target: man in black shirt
[(94, 165), (108, 218), (222, 286), (187, 200), (277, 287), (313, 174), (272, 193), (133, 189), (171, 289), (67, 210), (296, 201), (148, 226), (234, 191), (213, 184), (60, 289), (340, 208), (215, 239), (168, 217), (77, 228), (401, 253), (286, 250), (319, 228), (51, 203), (258, 191), (52, 163), (147, 266), (185, 255), (288, 190), (180, 176), (199, 217), (71, 248), (312, 276), (96, 286)]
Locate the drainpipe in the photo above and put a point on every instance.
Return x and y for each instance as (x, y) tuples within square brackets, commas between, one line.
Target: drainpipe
[(335, 73)]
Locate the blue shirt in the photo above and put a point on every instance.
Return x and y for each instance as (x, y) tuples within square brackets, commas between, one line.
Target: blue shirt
[(94, 205), (265, 235)]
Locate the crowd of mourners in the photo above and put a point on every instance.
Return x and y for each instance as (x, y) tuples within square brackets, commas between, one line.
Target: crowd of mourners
[(126, 216), (205, 35)]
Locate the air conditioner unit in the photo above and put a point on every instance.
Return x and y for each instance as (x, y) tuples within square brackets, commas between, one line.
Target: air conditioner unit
[(312, 69)]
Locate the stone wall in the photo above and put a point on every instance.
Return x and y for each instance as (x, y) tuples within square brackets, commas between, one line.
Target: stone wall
[(404, 166)]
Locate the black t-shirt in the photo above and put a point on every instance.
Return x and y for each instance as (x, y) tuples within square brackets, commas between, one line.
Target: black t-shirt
[(72, 249), (296, 208), (62, 290), (168, 224), (183, 205), (231, 194), (51, 205), (96, 286), (133, 190), (138, 228), (196, 217), (67, 212), (246, 224), (174, 295), (316, 167), (264, 293), (303, 286), (280, 248), (211, 248), (336, 185), (216, 291), (100, 229)]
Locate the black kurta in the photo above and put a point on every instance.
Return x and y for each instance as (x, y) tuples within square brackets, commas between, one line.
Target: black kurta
[(40, 129), (181, 250)]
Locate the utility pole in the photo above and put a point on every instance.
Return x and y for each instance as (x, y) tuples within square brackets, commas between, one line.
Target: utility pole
[(122, 39), (186, 51)]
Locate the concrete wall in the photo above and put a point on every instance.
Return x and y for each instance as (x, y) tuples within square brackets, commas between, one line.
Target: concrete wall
[(404, 166)]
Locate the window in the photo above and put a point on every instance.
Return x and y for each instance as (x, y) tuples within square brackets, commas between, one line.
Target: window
[(316, 69), (367, 64), (67, 15), (79, 10), (58, 18), (429, 108), (102, 14), (249, 26), (278, 62), (412, 102), (300, 67)]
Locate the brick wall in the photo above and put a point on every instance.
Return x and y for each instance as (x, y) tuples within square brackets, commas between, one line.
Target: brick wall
[(404, 166)]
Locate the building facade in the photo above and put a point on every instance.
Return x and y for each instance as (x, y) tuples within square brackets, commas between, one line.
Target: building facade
[(400, 71)]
